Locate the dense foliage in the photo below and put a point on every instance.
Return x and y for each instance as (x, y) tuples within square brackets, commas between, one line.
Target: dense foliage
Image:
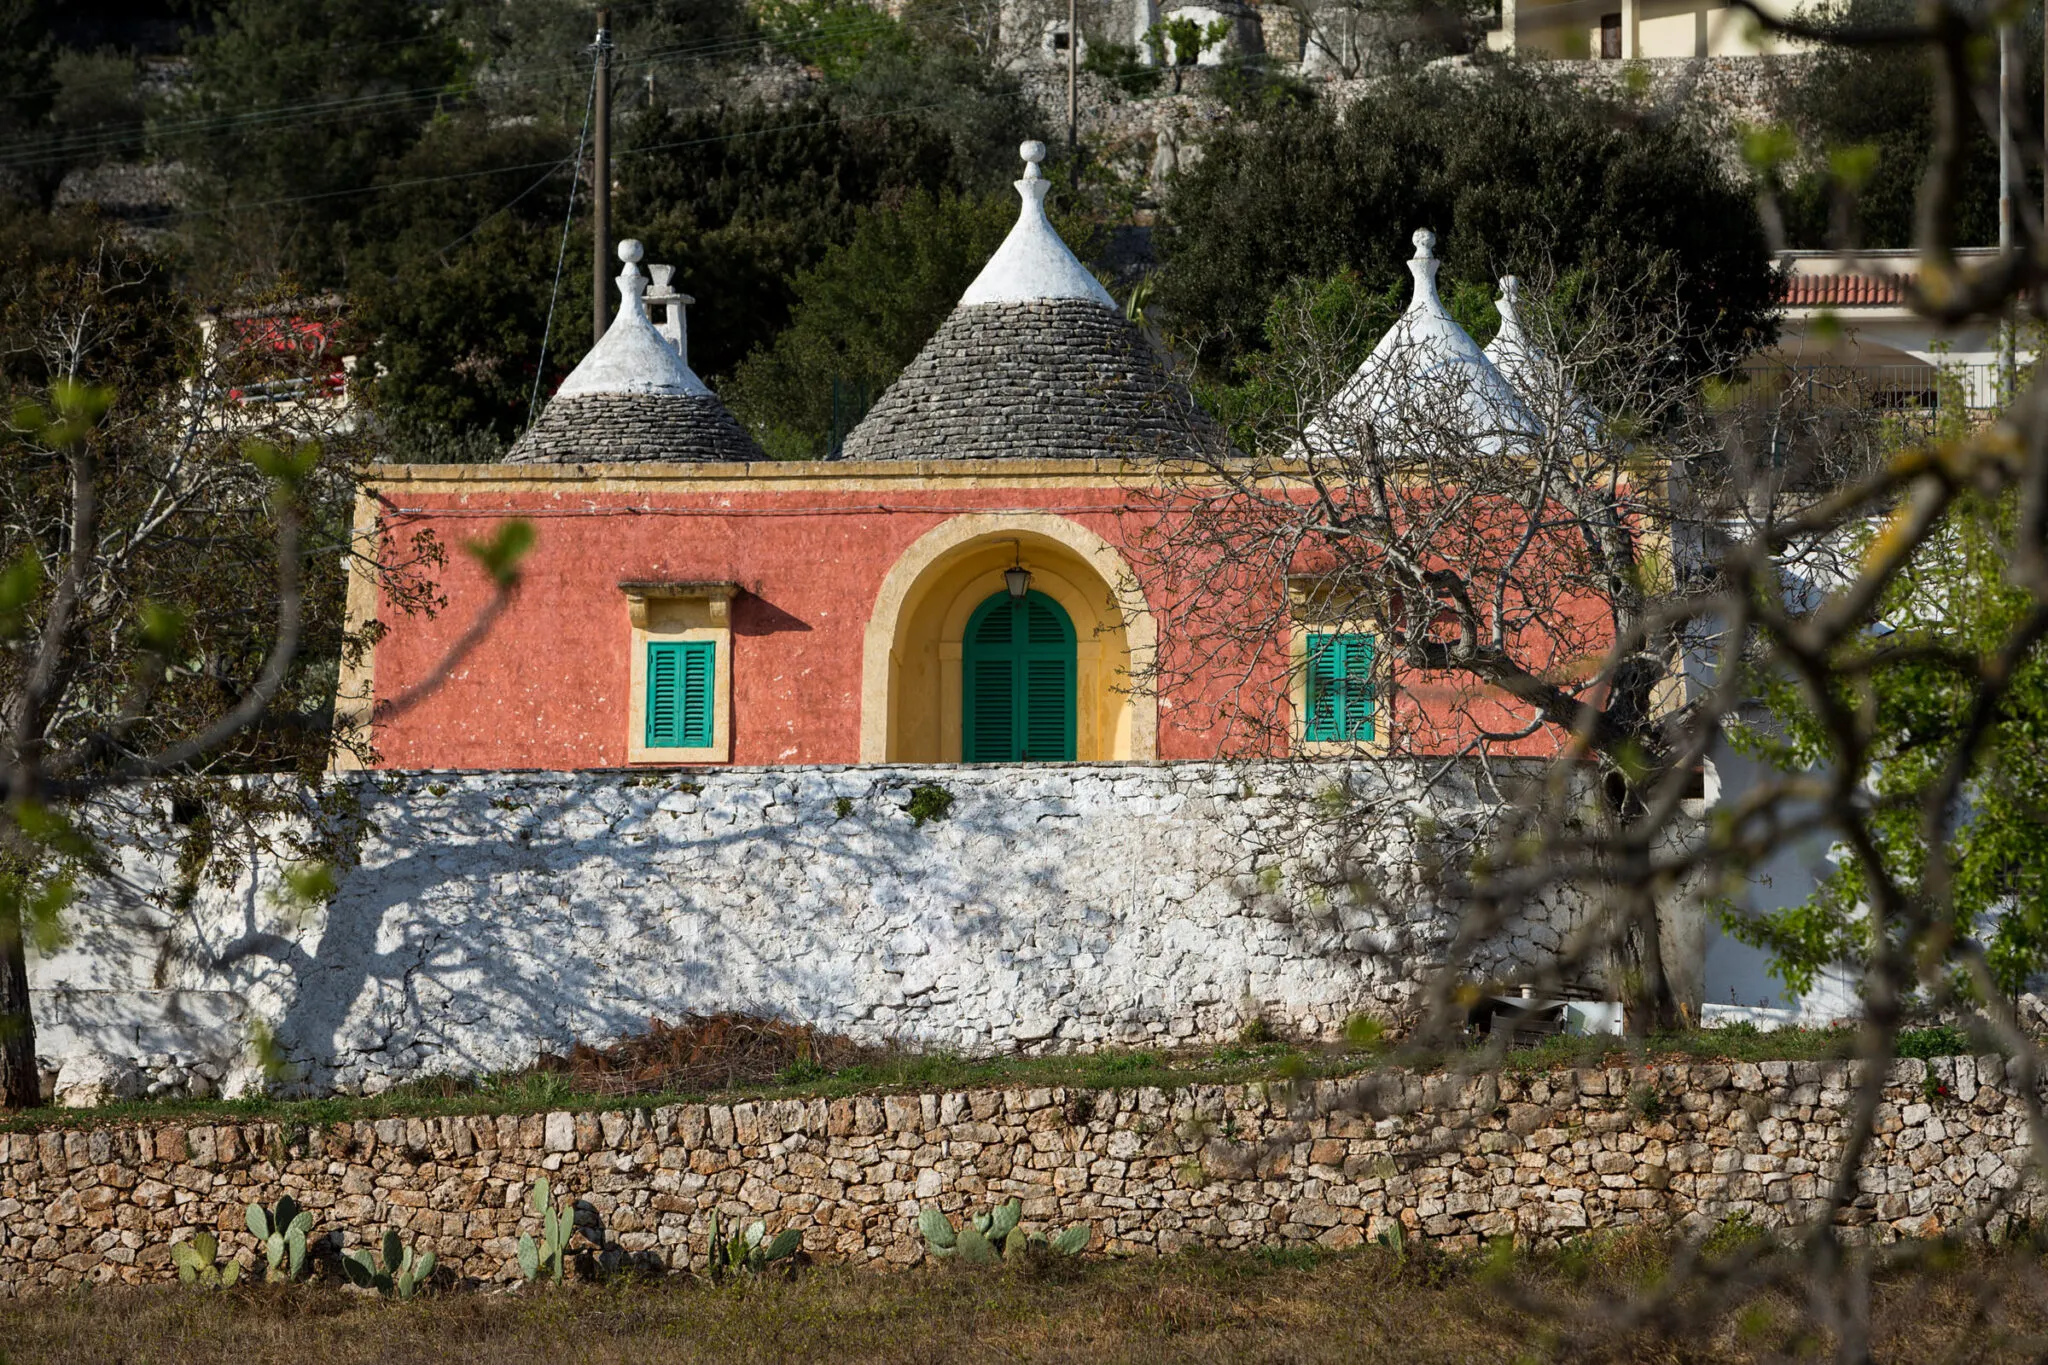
[(1516, 173), (1863, 117), (1916, 676)]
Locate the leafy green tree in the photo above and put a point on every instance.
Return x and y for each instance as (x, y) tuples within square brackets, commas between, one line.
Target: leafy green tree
[(301, 101), (1516, 171), (743, 201), (1179, 42), (172, 564), (862, 314), (1864, 117), (1913, 675)]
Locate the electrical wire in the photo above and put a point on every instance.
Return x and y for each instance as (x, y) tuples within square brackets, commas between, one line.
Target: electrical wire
[(538, 165), (79, 146), (561, 253), (545, 176)]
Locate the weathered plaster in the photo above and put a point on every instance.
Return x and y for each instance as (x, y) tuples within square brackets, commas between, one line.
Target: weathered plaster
[(484, 917)]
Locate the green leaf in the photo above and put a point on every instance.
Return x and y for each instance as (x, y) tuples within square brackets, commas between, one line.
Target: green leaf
[(274, 1252), (394, 1250), (295, 1249), (1004, 1219), (786, 1242), (1853, 165), (229, 1273), (357, 1266), (258, 1222), (20, 582), (500, 556), (1073, 1241), (288, 467), (185, 1256), (529, 1257), (975, 1248), (424, 1270), (207, 1245), (936, 1229), (1768, 146), (756, 1230)]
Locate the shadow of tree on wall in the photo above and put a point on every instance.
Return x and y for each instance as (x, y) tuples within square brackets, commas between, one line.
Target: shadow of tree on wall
[(485, 917)]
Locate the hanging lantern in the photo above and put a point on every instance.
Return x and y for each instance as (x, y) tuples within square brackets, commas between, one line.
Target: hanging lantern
[(1018, 579)]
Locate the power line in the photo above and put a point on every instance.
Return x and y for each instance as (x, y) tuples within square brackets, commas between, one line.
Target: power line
[(537, 165), (545, 176), (79, 146), (562, 252), (56, 87)]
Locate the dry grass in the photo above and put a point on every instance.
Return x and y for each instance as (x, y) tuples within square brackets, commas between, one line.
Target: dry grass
[(734, 1057), (1360, 1307)]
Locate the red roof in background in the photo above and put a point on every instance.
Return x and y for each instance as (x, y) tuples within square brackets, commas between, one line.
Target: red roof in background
[(285, 333), (1844, 291)]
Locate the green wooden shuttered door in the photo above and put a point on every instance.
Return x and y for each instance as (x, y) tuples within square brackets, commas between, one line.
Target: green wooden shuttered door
[(1017, 672), (680, 693), (1340, 700)]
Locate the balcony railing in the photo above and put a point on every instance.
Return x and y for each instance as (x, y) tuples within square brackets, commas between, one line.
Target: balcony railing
[(1921, 390)]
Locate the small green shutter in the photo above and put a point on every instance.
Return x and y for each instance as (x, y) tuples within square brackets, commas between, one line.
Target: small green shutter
[(1018, 674), (681, 691), (1340, 693)]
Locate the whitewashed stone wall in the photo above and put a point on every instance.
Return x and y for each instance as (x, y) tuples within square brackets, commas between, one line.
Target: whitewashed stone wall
[(481, 918)]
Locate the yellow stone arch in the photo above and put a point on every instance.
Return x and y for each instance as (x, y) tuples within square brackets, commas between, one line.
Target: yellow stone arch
[(910, 667)]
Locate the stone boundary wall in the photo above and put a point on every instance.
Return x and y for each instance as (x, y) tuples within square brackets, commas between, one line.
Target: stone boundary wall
[(483, 917), (1455, 1161)]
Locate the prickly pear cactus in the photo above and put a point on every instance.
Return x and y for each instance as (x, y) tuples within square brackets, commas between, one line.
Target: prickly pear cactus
[(984, 1238), (548, 1256), (282, 1234)]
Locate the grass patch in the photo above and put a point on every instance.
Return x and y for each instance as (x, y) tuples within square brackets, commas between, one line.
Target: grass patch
[(795, 1063), (1262, 1307)]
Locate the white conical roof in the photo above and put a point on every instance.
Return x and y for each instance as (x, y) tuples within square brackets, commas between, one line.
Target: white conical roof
[(632, 357), (1545, 389), (1511, 351), (1425, 363), (1033, 263)]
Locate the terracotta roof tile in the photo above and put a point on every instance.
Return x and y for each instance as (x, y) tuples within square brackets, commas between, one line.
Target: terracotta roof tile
[(1844, 291)]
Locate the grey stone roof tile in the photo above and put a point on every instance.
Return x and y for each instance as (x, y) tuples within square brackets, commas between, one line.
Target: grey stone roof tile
[(1060, 378)]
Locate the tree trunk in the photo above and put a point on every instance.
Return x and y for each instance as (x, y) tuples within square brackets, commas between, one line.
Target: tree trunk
[(20, 1083)]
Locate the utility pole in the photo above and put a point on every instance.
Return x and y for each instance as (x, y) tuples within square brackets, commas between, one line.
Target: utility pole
[(601, 183), (2006, 359), (1073, 97)]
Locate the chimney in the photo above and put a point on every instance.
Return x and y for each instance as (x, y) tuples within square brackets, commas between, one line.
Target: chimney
[(672, 324)]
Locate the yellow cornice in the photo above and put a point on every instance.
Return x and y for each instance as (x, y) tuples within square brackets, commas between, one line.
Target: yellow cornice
[(758, 476)]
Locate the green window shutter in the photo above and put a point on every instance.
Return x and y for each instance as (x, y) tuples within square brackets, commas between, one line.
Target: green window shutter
[(989, 719), (681, 693), (1048, 710), (1340, 691), (1017, 682)]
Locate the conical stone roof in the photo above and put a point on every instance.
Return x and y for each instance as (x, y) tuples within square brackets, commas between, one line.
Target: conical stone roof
[(1427, 370), (633, 398), (1036, 360)]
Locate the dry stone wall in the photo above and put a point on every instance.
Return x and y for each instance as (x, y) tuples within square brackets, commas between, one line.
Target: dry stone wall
[(1539, 1158), (483, 917)]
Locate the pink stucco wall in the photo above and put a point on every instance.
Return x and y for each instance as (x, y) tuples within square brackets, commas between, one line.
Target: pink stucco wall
[(548, 687)]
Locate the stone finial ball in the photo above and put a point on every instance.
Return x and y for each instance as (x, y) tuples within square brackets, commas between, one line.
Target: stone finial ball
[(1425, 241), (1033, 152), (630, 251)]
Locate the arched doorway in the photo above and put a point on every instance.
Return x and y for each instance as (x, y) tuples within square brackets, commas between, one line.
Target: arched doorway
[(1017, 680), (913, 681)]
